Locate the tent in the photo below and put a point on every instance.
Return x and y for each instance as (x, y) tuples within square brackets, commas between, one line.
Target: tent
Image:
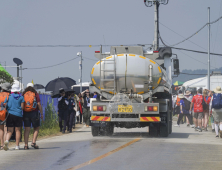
[(178, 83), (215, 80)]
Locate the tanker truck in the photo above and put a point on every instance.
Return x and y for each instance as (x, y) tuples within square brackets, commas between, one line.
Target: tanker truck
[(134, 89)]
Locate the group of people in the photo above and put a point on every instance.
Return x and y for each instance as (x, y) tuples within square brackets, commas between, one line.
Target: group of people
[(71, 106), (18, 108), (199, 108)]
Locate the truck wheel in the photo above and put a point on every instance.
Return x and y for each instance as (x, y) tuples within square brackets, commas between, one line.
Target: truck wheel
[(153, 131), (109, 130), (95, 131), (163, 131)]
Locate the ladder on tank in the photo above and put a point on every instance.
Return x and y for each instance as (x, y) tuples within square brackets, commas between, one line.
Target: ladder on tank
[(104, 70)]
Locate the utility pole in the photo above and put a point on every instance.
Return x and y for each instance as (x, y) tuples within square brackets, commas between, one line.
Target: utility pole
[(80, 67), (156, 30), (156, 3), (208, 75)]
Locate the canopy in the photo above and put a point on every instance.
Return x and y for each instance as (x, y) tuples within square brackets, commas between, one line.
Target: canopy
[(215, 80), (3, 69), (178, 83)]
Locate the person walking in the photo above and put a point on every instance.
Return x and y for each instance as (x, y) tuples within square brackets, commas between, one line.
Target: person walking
[(216, 108), (4, 95), (206, 102), (197, 102), (72, 108), (188, 96), (63, 109), (15, 105), (184, 109), (79, 118), (86, 107), (31, 116)]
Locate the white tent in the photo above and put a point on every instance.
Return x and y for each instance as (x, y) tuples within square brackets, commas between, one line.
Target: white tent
[(215, 80)]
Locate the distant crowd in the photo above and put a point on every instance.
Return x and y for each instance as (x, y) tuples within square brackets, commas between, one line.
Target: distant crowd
[(199, 108)]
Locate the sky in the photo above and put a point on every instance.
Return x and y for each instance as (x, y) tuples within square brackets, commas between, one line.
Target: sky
[(78, 22)]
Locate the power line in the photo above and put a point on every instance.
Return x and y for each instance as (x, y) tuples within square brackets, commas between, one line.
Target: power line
[(52, 65), (89, 59), (196, 32)]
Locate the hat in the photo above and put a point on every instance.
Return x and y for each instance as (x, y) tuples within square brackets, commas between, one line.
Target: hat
[(187, 93), (218, 89), (30, 85), (6, 86), (61, 90), (181, 96), (15, 88)]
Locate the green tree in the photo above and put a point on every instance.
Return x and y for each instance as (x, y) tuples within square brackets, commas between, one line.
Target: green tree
[(5, 77)]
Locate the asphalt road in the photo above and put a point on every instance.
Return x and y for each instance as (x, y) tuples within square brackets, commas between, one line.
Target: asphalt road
[(126, 149)]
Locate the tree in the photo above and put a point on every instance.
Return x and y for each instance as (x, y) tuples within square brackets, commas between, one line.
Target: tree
[(5, 77)]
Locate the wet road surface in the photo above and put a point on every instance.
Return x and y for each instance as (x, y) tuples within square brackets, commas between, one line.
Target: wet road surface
[(126, 149)]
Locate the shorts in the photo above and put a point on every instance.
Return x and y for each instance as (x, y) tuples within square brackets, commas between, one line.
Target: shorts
[(13, 121), (217, 114), (198, 115), (32, 117)]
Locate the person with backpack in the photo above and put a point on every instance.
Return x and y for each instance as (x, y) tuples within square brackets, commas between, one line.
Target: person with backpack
[(31, 116), (4, 95), (15, 104), (197, 102), (63, 103), (206, 102), (184, 109), (86, 107), (216, 109)]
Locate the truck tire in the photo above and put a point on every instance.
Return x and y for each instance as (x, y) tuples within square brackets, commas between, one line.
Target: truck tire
[(153, 131), (164, 131), (109, 129), (95, 131)]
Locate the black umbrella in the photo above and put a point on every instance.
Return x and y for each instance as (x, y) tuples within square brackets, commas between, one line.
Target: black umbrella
[(38, 86), (56, 84), (55, 94)]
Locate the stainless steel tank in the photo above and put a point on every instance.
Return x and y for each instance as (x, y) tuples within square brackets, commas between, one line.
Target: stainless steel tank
[(131, 72)]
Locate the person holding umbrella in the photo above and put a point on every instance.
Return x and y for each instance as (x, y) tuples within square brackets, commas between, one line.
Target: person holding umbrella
[(86, 107), (63, 103)]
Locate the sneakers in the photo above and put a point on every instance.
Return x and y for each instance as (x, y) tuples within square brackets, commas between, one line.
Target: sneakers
[(196, 129), (213, 130), (200, 129), (188, 125), (6, 145), (205, 129), (176, 125), (17, 148), (192, 126), (220, 133), (217, 136)]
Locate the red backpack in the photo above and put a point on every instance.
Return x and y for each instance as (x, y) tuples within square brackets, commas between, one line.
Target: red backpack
[(3, 96), (178, 101), (30, 101)]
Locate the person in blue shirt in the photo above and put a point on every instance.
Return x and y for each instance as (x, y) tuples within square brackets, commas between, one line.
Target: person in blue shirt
[(15, 104), (95, 95), (184, 109)]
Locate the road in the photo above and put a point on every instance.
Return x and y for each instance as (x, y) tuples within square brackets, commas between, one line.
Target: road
[(126, 149)]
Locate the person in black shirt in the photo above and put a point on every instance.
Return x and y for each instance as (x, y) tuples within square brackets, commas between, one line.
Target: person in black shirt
[(63, 109), (86, 107)]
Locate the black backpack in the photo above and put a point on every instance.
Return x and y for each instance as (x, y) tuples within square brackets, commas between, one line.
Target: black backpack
[(187, 104), (205, 105)]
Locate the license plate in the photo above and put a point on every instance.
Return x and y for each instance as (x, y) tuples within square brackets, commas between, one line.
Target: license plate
[(122, 108)]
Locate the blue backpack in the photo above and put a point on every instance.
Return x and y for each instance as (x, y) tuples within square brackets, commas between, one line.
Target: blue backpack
[(217, 101)]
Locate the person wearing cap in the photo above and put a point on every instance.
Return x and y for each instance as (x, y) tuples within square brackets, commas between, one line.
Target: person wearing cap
[(31, 116), (216, 109), (184, 109), (86, 107), (63, 103), (6, 90), (14, 107), (197, 102)]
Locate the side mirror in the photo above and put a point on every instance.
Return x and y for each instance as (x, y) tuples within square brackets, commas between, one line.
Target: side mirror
[(176, 68)]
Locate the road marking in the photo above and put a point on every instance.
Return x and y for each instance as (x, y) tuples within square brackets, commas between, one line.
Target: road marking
[(105, 155)]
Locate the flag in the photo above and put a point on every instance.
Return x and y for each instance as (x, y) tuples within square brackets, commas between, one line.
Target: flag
[(32, 82)]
